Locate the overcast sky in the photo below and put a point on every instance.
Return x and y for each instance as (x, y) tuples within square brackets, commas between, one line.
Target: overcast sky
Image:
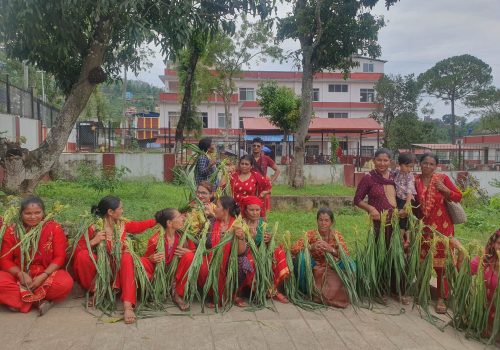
[(418, 33)]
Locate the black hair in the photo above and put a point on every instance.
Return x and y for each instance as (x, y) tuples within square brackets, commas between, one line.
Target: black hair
[(164, 215), (230, 205), (406, 158), (327, 211), (383, 151), (431, 155), (258, 140), (248, 158), (31, 200), (205, 143), (106, 203)]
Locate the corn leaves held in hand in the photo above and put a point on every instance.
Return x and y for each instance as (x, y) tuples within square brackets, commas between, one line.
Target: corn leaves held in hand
[(104, 295), (9, 216), (191, 288), (396, 257), (159, 281), (382, 261), (141, 278), (367, 277), (495, 303), (478, 304), (344, 267)]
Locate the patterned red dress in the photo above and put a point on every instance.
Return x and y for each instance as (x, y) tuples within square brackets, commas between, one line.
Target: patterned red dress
[(51, 250), (253, 186), (434, 214)]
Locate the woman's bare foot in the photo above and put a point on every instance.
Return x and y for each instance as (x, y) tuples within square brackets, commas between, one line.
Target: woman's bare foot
[(128, 313), (239, 302), (44, 306), (440, 306), (281, 298), (179, 301)]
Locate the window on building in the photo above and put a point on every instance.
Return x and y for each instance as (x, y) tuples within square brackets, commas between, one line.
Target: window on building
[(368, 67), (367, 95), (173, 119), (241, 123), (204, 119), (221, 120), (497, 155), (312, 150), (279, 150), (247, 94), (338, 115), (316, 94), (367, 151), (338, 88)]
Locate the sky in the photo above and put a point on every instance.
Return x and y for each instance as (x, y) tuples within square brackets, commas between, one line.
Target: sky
[(418, 34)]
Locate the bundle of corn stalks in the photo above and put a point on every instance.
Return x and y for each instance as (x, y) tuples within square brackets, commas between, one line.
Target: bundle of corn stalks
[(291, 285), (141, 278), (8, 217), (159, 280), (191, 289)]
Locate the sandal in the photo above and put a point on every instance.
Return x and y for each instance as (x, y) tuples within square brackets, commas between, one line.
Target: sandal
[(281, 298), (44, 306), (440, 307)]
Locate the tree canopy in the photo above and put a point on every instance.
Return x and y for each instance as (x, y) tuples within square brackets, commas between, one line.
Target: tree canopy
[(454, 79)]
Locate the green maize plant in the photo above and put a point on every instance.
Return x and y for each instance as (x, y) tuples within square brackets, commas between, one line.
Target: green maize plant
[(159, 280), (424, 276), (191, 288), (306, 270), (104, 296), (381, 262), (171, 269), (478, 305), (291, 284), (231, 286), (396, 255), (141, 277), (84, 221), (495, 303), (367, 278), (8, 216), (347, 274), (212, 283), (413, 265), (117, 248), (262, 282), (460, 294)]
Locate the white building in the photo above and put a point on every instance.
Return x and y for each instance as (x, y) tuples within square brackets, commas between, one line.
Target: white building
[(333, 97)]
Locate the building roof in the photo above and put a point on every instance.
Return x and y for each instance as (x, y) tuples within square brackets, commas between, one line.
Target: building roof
[(318, 125)]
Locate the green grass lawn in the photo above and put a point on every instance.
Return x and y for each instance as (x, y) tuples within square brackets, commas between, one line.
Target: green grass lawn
[(143, 198)]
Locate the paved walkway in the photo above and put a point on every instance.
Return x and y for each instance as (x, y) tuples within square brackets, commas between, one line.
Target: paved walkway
[(68, 326)]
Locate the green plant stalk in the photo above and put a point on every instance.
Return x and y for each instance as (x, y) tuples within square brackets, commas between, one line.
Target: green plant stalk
[(495, 329), (309, 278), (382, 266), (191, 289), (396, 255), (478, 310), (159, 280), (8, 217), (141, 278), (104, 295), (231, 286)]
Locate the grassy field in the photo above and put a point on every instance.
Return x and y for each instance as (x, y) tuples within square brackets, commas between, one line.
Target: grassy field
[(143, 198)]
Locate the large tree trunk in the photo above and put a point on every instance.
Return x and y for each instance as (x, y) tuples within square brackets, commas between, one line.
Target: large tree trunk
[(194, 55), (22, 174), (297, 165), (453, 133)]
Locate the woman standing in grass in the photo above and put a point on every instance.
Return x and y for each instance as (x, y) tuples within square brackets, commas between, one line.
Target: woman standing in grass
[(226, 212), (251, 207), (433, 190), (248, 182), (31, 269), (171, 221), (113, 232), (323, 240)]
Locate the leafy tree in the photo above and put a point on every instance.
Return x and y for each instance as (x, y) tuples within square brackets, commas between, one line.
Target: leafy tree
[(487, 106), (253, 42), (330, 32), (84, 43), (396, 96), (454, 79), (280, 105)]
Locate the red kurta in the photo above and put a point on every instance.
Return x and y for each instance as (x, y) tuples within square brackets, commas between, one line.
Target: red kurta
[(253, 186), (184, 262), (51, 250), (434, 214), (84, 268)]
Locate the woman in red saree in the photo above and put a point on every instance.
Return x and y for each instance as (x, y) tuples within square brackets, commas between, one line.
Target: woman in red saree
[(251, 208), (41, 281), (226, 212), (433, 190), (490, 265), (110, 209), (324, 239), (248, 182), (172, 221)]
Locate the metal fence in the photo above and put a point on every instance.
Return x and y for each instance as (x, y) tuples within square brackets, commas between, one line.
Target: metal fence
[(17, 101)]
